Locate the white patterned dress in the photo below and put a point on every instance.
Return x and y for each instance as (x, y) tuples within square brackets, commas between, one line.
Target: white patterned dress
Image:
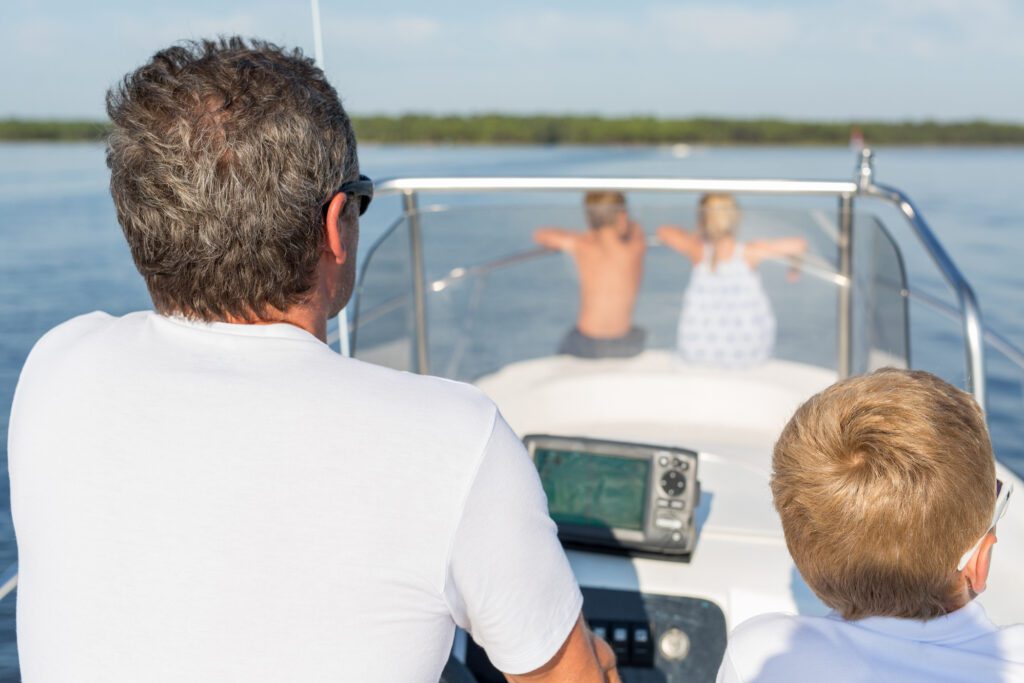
[(726, 319)]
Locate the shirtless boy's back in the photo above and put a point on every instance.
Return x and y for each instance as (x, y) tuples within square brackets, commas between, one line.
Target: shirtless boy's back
[(610, 260)]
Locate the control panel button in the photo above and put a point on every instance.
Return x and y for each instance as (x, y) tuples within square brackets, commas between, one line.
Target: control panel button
[(676, 537), (663, 461), (676, 504), (674, 645), (632, 641), (665, 502), (668, 523), (620, 642), (642, 653), (673, 482)]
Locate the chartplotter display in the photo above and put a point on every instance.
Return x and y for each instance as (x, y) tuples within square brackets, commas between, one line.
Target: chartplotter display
[(594, 490)]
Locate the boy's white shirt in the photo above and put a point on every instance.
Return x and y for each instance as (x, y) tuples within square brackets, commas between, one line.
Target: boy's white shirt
[(962, 646)]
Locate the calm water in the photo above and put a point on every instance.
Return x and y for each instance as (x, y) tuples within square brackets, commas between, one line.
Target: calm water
[(62, 254)]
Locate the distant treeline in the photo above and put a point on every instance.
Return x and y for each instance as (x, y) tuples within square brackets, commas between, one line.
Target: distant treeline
[(58, 131), (586, 130), (553, 130)]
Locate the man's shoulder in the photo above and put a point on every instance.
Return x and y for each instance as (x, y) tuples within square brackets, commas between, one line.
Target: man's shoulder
[(71, 334), (427, 392), (80, 326)]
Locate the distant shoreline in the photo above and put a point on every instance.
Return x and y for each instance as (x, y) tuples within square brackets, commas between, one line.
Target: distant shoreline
[(498, 129)]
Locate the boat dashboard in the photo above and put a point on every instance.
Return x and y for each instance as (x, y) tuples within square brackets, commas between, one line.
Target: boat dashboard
[(657, 477), (656, 638), (630, 500)]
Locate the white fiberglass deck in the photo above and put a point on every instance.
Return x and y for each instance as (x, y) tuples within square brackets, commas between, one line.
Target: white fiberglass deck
[(732, 417)]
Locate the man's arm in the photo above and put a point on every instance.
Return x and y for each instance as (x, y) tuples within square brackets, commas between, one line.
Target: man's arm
[(556, 238), (686, 243), (583, 657), (509, 582)]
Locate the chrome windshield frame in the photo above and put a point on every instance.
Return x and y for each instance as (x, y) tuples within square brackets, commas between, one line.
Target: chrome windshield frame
[(844, 192)]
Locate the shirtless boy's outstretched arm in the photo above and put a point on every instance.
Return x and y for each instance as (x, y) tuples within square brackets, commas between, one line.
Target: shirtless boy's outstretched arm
[(556, 238)]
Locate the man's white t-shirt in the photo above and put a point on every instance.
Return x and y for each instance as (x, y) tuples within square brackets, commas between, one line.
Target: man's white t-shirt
[(216, 502), (961, 646)]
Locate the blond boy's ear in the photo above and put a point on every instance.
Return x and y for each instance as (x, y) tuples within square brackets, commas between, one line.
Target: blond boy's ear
[(976, 571)]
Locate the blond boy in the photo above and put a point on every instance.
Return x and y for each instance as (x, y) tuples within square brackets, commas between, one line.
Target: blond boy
[(887, 491), (610, 260)]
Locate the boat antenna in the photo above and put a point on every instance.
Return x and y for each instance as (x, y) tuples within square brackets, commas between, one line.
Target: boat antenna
[(318, 36), (318, 55)]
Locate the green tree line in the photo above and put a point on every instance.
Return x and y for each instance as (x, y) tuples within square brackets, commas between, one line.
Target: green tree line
[(586, 130)]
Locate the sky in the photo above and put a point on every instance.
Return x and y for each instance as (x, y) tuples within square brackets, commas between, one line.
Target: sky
[(796, 59)]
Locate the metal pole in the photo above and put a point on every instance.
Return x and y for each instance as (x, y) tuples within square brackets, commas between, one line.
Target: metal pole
[(418, 281), (318, 35), (318, 55), (973, 327), (844, 330)]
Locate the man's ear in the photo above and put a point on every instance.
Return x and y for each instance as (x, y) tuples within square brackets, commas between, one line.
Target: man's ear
[(976, 571), (332, 227)]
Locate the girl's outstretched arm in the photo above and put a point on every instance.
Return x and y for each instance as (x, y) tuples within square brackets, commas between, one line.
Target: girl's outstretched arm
[(792, 247), (686, 243)]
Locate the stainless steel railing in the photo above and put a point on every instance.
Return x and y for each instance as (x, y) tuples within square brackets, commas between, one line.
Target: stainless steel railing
[(844, 191), (970, 311), (9, 580)]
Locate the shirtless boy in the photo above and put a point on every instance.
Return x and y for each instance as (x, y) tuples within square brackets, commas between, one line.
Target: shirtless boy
[(610, 259)]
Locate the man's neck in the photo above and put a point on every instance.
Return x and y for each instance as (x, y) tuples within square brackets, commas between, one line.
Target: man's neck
[(316, 325), (309, 316), (312, 313)]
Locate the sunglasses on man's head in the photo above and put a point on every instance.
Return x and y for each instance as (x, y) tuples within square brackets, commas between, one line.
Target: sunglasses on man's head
[(362, 188)]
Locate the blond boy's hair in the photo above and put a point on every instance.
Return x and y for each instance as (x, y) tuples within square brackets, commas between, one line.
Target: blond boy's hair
[(882, 482), (603, 208), (718, 216)]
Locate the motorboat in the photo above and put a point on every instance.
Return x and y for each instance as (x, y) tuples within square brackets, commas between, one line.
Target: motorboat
[(657, 470)]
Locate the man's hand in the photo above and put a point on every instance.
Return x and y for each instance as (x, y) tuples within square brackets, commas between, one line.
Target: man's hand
[(605, 658), (583, 658)]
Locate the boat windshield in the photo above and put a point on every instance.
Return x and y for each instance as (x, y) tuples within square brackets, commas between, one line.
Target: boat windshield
[(493, 296)]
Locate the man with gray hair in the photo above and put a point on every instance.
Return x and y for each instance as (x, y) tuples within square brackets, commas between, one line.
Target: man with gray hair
[(205, 492)]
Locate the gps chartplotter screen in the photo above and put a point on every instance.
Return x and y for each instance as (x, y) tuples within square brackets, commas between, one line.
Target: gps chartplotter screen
[(594, 490)]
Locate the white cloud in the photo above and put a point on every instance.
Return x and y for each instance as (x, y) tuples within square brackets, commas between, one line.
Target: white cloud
[(724, 28), (397, 32), (715, 28), (936, 30), (559, 30)]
